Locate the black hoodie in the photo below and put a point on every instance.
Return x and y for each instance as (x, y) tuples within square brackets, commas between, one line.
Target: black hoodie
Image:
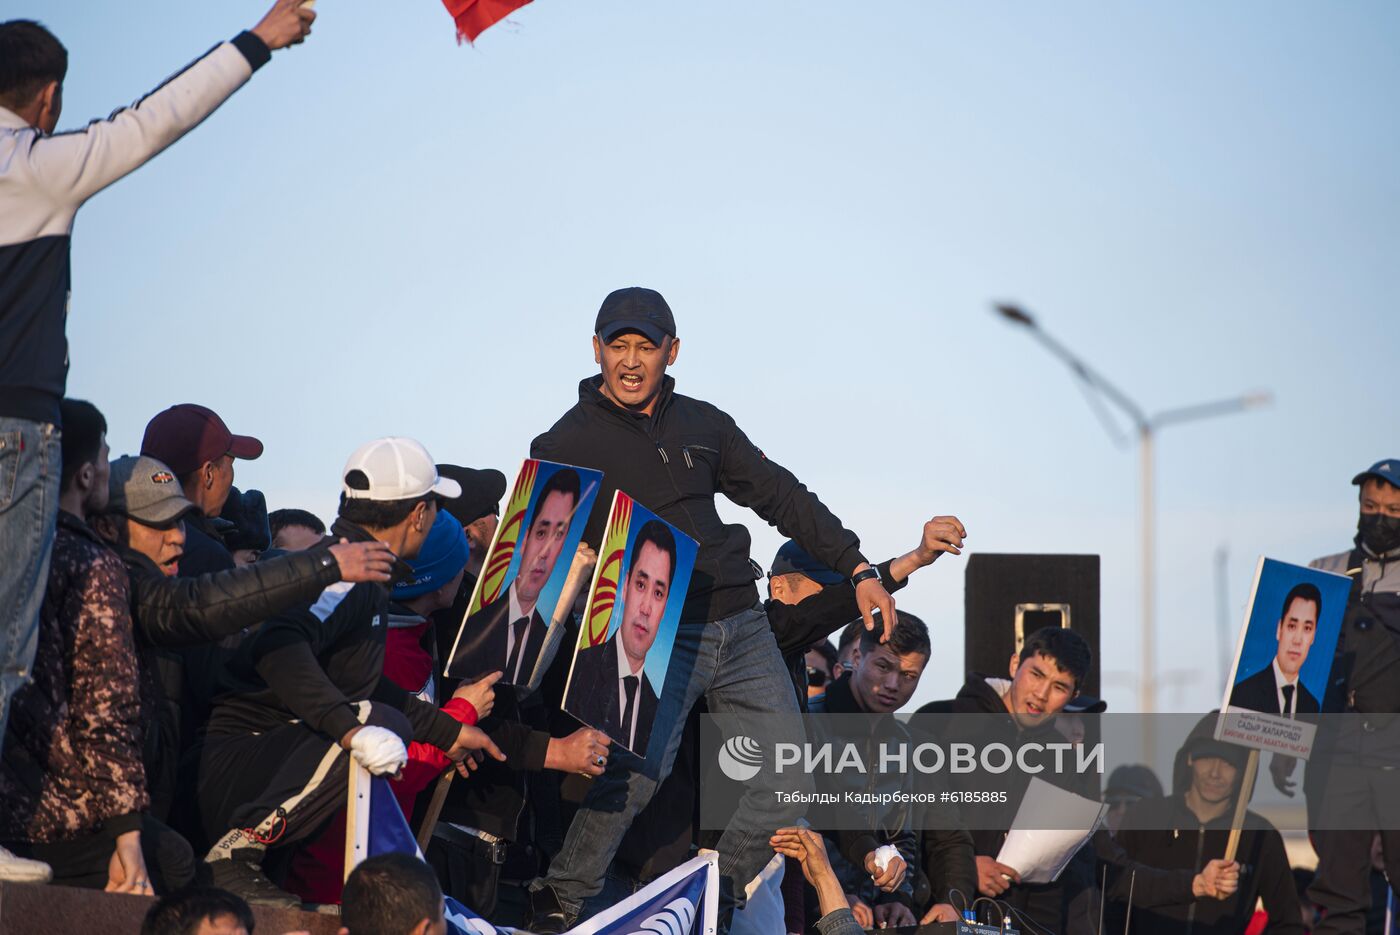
[(673, 463), (1190, 845)]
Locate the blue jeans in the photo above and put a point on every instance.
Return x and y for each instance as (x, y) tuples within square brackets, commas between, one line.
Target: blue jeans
[(30, 457), (736, 665)]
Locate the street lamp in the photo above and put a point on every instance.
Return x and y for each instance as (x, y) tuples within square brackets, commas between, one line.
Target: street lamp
[(1146, 426)]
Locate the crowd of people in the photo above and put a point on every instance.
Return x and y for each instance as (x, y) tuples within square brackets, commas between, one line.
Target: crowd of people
[(188, 677)]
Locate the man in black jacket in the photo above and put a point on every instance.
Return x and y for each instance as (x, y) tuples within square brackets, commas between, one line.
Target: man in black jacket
[(882, 682), (310, 685), (143, 520), (1189, 829), (673, 454)]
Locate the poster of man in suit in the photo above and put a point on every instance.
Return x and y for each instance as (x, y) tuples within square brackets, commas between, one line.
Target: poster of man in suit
[(1285, 652), (624, 648), (514, 601)]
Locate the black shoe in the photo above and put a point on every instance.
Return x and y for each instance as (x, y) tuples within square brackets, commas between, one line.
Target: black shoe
[(547, 915), (244, 877)]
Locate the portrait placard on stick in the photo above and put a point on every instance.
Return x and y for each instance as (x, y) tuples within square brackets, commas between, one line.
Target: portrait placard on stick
[(521, 579), (1284, 658), (633, 611)]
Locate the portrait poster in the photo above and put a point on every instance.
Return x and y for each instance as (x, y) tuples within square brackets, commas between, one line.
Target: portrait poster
[(1283, 659), (523, 574), (633, 611)]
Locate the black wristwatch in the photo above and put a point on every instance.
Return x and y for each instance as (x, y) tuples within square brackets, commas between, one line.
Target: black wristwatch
[(858, 577)]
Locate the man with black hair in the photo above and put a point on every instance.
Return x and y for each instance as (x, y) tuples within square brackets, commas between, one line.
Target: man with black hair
[(44, 180), (674, 454), (882, 682), (610, 680), (393, 894), (199, 910), (71, 775), (293, 530), (1276, 689), (310, 685), (507, 634), (1352, 775)]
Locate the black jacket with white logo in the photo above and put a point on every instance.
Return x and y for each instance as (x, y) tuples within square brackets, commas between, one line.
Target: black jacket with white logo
[(44, 179), (314, 662), (673, 463)]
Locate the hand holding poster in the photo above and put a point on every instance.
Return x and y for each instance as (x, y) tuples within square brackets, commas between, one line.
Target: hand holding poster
[(1284, 658), (634, 608), (522, 577)]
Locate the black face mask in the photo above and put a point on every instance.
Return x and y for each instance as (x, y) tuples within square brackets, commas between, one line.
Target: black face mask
[(1378, 532)]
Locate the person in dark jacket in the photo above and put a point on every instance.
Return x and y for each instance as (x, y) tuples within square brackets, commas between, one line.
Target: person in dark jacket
[(882, 682), (310, 685), (1044, 680), (71, 778), (1353, 776), (673, 454), (143, 521), (44, 179), (1188, 829)]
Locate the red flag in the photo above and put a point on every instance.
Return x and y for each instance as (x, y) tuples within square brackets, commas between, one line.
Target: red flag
[(474, 17)]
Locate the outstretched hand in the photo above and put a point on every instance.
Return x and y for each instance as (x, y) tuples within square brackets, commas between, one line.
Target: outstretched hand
[(941, 534), (471, 742), (363, 561), (287, 23)]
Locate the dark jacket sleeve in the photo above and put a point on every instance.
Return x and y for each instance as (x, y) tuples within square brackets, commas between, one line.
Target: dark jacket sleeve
[(525, 748), (1276, 887), (798, 626), (949, 863), (1150, 886), (430, 723), (177, 612), (284, 658), (749, 479)]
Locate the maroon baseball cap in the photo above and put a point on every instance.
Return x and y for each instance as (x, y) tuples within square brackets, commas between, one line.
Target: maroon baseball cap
[(187, 435)]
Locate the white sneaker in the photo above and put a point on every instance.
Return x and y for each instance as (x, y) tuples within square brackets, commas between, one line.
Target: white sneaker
[(22, 870)]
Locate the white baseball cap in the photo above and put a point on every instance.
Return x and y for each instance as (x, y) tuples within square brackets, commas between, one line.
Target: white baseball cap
[(396, 469)]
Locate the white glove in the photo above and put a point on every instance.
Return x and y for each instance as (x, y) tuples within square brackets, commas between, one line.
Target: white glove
[(379, 750), (883, 855)]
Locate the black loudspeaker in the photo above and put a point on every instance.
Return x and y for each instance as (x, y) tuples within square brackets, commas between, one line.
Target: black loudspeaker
[(1008, 597)]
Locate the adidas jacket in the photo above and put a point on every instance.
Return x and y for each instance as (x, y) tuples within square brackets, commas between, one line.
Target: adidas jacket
[(44, 180)]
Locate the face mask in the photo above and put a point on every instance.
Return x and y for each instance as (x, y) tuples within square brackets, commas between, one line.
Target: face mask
[(1378, 532)]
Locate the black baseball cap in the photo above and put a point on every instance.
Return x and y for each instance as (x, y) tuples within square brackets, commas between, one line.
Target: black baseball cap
[(482, 489), (793, 559), (635, 309)]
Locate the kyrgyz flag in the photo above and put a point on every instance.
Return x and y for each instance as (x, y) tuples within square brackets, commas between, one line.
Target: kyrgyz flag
[(474, 17), (608, 573)]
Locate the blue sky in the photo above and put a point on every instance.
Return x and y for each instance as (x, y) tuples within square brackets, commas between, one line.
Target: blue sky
[(387, 233)]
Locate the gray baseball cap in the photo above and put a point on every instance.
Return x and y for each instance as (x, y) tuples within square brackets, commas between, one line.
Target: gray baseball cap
[(146, 490)]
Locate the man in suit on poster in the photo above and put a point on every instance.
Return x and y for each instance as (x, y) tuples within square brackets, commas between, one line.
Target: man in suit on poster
[(1275, 689), (507, 634), (609, 689)]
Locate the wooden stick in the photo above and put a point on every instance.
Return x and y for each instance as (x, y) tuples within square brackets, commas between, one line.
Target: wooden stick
[(355, 816), (1251, 769), (430, 817)]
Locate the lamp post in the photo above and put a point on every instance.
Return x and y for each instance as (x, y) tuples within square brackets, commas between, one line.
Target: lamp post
[(1146, 427)]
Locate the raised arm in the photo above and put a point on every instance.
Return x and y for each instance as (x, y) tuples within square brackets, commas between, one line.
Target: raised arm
[(72, 167)]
